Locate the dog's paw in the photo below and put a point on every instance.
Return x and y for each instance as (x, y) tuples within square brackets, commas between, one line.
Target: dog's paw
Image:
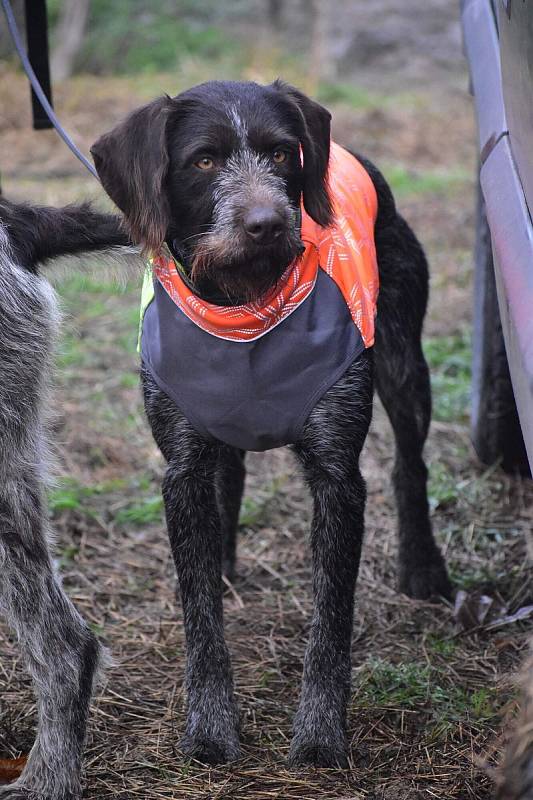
[(424, 581), (317, 754), (209, 749)]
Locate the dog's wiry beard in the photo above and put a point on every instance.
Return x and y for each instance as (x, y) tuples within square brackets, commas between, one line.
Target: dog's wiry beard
[(239, 275)]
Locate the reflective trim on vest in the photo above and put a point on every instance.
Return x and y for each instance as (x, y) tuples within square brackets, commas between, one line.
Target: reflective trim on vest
[(253, 395)]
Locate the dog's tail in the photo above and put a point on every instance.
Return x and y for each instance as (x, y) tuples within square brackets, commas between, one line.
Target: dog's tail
[(37, 234)]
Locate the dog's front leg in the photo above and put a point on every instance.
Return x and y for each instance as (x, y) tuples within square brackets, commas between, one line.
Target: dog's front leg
[(329, 451), (189, 493), (211, 733)]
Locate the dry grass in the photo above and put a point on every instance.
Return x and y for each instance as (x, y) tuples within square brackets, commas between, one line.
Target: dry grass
[(429, 702)]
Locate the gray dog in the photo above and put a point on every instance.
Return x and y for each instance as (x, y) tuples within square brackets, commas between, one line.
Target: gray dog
[(61, 652)]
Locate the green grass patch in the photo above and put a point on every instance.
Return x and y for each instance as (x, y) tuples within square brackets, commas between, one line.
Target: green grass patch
[(71, 352), (439, 645), (67, 556), (254, 510), (443, 487), (70, 495), (130, 36), (405, 182), (347, 94), (415, 686), (75, 286), (468, 578), (147, 511), (100, 315), (400, 686), (97, 628), (449, 359), (129, 380), (86, 297), (128, 342), (132, 314)]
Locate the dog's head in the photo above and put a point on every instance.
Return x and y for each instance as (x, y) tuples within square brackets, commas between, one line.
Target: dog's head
[(218, 172)]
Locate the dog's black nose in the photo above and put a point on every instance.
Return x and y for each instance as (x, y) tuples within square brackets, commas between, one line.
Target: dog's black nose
[(263, 224)]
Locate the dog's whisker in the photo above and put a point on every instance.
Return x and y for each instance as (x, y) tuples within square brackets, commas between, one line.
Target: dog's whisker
[(197, 235)]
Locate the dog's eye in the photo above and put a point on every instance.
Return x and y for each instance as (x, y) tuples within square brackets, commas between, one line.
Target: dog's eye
[(279, 156), (205, 163)]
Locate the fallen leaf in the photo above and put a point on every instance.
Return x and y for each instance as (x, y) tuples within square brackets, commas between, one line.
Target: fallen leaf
[(472, 610), (11, 768), (475, 610), (522, 613)]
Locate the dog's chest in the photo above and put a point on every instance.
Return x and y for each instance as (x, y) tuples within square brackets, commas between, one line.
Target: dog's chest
[(254, 395)]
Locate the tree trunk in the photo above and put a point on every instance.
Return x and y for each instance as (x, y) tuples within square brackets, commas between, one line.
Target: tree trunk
[(274, 13), (69, 37), (321, 67)]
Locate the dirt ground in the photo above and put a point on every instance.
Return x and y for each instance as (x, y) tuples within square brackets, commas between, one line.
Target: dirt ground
[(429, 701)]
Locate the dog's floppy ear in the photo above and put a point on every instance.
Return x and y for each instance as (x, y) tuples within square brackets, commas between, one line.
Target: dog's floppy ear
[(315, 140), (132, 161)]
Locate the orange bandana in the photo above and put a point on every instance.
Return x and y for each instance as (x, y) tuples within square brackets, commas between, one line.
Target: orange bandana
[(345, 251)]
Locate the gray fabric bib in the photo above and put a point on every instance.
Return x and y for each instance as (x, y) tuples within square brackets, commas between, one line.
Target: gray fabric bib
[(254, 395)]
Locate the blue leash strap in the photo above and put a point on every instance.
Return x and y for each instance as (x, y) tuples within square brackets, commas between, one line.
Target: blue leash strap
[(15, 35)]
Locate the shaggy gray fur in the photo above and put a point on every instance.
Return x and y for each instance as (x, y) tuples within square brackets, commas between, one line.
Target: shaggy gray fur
[(62, 654)]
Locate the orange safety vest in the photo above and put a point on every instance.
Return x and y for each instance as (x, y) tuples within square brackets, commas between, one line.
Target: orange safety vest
[(250, 375), (345, 251)]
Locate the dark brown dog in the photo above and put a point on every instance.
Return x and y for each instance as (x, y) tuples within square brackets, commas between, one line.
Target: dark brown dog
[(188, 171)]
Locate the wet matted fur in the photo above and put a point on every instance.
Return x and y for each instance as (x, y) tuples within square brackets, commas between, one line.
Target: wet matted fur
[(192, 171)]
